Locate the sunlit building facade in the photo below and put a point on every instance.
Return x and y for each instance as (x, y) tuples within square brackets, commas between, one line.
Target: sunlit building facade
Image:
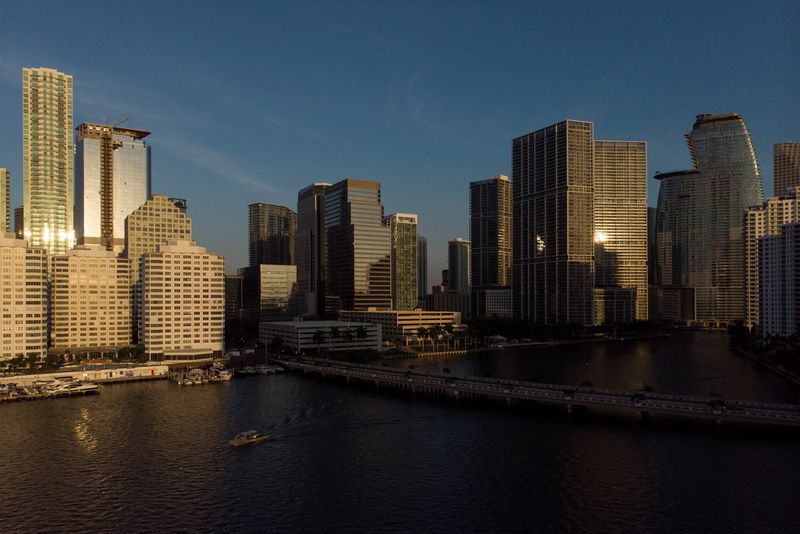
[(357, 248), (786, 167), (309, 250), (112, 179), (404, 239), (701, 218), (272, 232), (47, 159), (23, 299), (620, 230), (553, 241)]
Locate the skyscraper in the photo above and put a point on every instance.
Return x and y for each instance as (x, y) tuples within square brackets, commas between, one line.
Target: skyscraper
[(309, 250), (5, 201), (620, 230), (357, 248), (272, 231), (422, 270), (47, 159), (490, 232), (786, 166), (403, 228), (700, 218), (19, 222), (112, 178), (459, 269), (553, 265), (779, 290)]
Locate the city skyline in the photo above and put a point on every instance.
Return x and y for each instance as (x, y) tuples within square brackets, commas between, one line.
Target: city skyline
[(418, 132)]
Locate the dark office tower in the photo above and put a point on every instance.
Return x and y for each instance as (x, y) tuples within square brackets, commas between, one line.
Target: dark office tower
[(553, 241), (272, 233), (310, 250), (422, 270), (651, 245), (490, 233), (403, 230), (786, 161), (459, 270), (357, 248), (700, 219), (19, 221)]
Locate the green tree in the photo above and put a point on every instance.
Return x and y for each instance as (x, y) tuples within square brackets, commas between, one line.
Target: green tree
[(319, 339)]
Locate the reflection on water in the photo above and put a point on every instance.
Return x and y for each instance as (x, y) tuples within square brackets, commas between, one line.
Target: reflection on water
[(355, 460)]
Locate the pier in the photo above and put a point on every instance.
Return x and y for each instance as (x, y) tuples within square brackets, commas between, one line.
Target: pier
[(570, 397)]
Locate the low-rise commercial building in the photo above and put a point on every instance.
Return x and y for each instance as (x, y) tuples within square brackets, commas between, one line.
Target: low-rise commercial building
[(313, 336), (403, 325)]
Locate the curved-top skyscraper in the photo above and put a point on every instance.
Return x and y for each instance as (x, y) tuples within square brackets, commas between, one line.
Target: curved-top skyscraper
[(700, 218)]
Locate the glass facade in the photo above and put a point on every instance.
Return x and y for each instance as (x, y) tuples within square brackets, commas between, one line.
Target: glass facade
[(112, 170), (47, 159), (422, 270), (357, 248), (553, 241), (271, 235), (701, 214), (786, 165), (403, 227), (309, 248), (459, 269)]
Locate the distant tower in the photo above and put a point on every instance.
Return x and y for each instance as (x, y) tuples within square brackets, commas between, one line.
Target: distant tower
[(786, 161), (47, 159), (112, 178), (422, 270), (459, 270), (403, 228), (271, 234), (309, 250)]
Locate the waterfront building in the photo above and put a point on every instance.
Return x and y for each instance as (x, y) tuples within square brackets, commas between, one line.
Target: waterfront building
[(19, 222), (234, 308), (459, 269), (90, 300), (553, 239), (47, 159), (112, 179), (151, 225), (23, 299), (402, 326), (490, 232), (422, 270), (275, 294), (404, 246), (779, 274), (5, 201), (700, 218), (443, 300), (498, 302), (786, 167), (313, 337), (357, 248), (310, 250), (271, 234), (620, 230), (182, 302), (761, 221)]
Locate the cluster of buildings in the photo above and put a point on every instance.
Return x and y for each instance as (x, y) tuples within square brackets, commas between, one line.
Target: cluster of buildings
[(96, 262)]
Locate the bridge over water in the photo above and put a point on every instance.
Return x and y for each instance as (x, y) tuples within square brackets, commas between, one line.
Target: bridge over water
[(510, 391)]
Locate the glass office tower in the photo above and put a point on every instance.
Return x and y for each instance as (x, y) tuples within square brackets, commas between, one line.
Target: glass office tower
[(112, 179), (422, 270), (272, 231), (309, 249), (47, 159), (403, 228), (700, 218), (357, 248)]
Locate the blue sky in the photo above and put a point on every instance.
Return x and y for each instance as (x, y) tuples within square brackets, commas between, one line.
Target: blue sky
[(251, 101)]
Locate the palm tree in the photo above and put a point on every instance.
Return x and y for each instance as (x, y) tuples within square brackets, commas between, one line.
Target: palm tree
[(436, 333), (361, 332), (448, 332), (333, 334), (318, 338), (348, 335), (422, 333), (276, 344)]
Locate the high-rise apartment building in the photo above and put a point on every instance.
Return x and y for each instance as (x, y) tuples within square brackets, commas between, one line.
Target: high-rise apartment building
[(154, 223), (47, 159), (272, 232), (422, 270), (357, 248), (5, 201), (620, 230), (761, 221), (490, 231), (553, 241), (779, 274), (786, 166), (112, 179), (403, 228), (459, 268), (23, 299), (700, 218), (90, 300), (183, 302), (651, 246), (19, 222), (309, 250)]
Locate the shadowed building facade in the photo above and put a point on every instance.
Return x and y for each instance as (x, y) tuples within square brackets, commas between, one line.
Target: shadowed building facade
[(786, 166), (272, 233), (459, 269), (403, 228), (701, 215), (422, 270), (357, 248), (47, 159), (309, 250), (553, 240)]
